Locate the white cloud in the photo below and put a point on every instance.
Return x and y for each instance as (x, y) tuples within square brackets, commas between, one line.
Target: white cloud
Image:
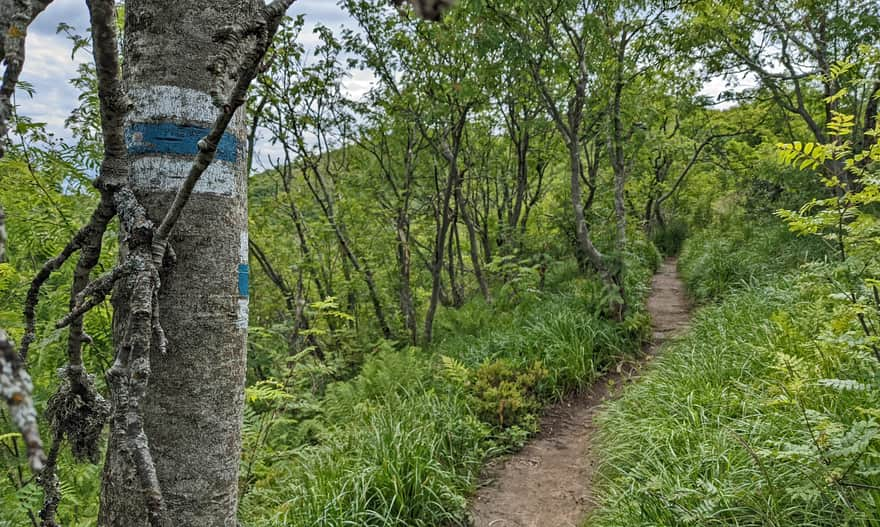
[(358, 84), (49, 67)]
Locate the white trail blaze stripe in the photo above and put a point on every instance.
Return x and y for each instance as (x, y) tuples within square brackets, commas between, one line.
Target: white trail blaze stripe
[(168, 173), (241, 322), (171, 103)]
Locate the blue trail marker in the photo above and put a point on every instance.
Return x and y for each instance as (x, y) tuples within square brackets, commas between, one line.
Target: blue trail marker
[(243, 280), (175, 139)]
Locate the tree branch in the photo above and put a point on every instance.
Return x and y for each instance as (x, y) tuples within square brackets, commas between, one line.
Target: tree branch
[(16, 388)]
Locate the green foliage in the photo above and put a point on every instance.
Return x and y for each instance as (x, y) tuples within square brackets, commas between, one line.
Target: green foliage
[(402, 442), (847, 217), (765, 415), (46, 195)]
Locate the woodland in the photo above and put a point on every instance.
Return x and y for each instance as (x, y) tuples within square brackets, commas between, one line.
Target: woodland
[(336, 310)]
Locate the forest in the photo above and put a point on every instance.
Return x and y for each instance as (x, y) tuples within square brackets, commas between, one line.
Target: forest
[(556, 263)]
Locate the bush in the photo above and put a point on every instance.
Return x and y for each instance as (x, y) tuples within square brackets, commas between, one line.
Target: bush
[(669, 238), (507, 397)]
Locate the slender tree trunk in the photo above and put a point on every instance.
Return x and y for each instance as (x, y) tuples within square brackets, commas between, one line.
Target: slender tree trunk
[(404, 264), (351, 296), (326, 202), (522, 181), (294, 301), (649, 215), (582, 232), (302, 236), (193, 408), (618, 163), (533, 199), (2, 234), (454, 285), (439, 247), (615, 145), (474, 243)]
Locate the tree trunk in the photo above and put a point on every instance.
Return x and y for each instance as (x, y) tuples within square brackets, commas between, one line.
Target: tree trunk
[(328, 206), (540, 168), (474, 244), (404, 263), (193, 408), (443, 222), (522, 181), (2, 235), (618, 161), (301, 233), (454, 285), (582, 233), (294, 301)]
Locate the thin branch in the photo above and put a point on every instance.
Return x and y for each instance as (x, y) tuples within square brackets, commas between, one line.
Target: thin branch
[(97, 290)]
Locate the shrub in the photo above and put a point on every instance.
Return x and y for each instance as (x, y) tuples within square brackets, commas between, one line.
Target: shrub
[(669, 238), (507, 396)]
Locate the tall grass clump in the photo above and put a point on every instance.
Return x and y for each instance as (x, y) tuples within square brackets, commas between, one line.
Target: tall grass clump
[(407, 460), (737, 252)]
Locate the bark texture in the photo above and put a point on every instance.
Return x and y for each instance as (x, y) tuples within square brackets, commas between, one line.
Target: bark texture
[(192, 410)]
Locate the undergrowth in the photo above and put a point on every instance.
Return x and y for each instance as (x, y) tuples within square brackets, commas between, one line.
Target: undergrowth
[(764, 413), (737, 253), (402, 442)]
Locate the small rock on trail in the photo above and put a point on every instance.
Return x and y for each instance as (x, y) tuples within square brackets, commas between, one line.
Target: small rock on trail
[(548, 482)]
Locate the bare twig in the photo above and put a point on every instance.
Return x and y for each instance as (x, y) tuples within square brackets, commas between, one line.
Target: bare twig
[(48, 481), (92, 295)]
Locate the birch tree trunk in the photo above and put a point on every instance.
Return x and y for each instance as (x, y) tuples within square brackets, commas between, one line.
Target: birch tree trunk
[(192, 412)]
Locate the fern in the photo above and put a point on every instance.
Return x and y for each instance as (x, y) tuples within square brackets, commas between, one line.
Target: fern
[(269, 390), (855, 441), (454, 370)]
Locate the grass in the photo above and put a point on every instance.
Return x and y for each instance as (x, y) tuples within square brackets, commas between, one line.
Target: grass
[(738, 253), (763, 414)]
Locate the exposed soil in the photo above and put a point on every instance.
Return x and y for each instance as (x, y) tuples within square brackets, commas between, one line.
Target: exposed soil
[(548, 483)]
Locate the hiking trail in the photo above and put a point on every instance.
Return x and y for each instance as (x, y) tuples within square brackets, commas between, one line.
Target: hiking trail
[(548, 482)]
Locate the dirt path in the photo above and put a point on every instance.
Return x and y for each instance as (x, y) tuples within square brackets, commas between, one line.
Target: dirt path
[(547, 483)]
